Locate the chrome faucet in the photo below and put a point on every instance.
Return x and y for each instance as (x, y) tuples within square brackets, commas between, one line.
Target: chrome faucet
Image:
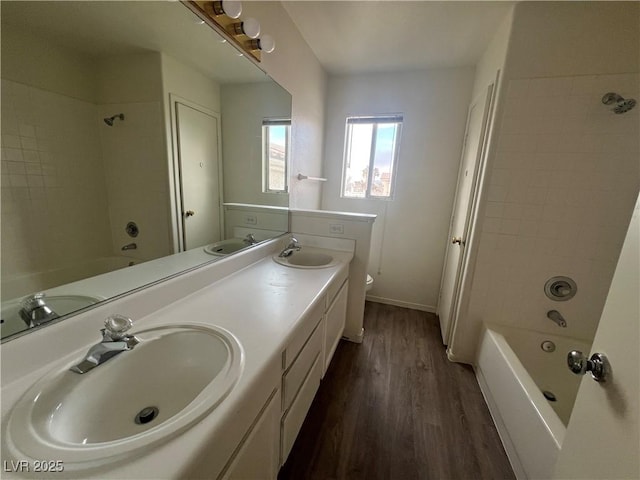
[(556, 316), (130, 246), (250, 239), (114, 341), (35, 311), (292, 246)]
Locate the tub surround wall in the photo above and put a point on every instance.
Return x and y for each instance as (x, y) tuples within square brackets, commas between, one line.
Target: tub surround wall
[(134, 152), (52, 170), (410, 235), (294, 66), (562, 177)]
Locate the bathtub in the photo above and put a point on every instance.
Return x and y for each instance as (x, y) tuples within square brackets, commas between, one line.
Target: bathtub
[(513, 371), (18, 286)]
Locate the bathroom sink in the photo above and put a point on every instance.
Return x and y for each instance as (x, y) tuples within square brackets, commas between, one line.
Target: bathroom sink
[(225, 247), (175, 376), (12, 322), (305, 259)]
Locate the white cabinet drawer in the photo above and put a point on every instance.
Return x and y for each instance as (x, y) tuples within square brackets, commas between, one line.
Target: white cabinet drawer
[(302, 333), (293, 378), (293, 419), (334, 325), (333, 289)]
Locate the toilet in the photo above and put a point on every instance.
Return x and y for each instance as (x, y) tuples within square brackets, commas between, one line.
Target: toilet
[(369, 283)]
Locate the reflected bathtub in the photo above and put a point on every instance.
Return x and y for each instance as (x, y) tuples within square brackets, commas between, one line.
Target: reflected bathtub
[(530, 393)]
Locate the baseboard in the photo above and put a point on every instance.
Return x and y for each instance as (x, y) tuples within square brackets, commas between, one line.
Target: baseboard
[(355, 338), (509, 448), (400, 303)]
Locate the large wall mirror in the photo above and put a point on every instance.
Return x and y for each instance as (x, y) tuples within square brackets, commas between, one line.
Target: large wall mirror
[(136, 144)]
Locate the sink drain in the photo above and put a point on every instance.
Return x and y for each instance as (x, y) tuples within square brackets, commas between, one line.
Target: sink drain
[(146, 415), (549, 395)]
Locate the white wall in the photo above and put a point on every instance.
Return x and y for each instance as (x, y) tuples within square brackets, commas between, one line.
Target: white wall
[(244, 107), (410, 234), (563, 177), (294, 66)]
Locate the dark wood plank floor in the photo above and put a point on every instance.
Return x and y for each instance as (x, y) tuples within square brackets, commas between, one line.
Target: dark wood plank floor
[(396, 408)]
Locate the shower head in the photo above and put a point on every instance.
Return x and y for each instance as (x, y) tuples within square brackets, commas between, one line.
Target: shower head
[(109, 120), (620, 104)]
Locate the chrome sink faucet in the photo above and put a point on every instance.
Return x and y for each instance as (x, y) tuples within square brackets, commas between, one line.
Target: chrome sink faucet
[(292, 246), (35, 311), (114, 341), (250, 239)]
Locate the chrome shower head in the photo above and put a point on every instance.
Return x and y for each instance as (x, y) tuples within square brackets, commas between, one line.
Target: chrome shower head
[(109, 120), (621, 104)]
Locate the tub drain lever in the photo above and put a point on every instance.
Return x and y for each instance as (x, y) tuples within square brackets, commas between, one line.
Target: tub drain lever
[(598, 365), (556, 317)]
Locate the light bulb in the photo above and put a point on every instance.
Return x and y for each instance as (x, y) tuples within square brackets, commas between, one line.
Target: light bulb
[(230, 8), (267, 43), (251, 27)]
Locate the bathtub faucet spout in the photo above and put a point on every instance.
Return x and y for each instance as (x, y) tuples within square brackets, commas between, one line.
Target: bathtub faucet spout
[(556, 317)]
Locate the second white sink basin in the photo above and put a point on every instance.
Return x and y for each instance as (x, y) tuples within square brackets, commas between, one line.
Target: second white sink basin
[(306, 259), (175, 376), (225, 247)]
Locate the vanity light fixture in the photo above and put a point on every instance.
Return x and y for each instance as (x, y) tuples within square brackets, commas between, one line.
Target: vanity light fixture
[(224, 17)]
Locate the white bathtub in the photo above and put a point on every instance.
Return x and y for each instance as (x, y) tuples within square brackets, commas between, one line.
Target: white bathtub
[(513, 370), (18, 286)]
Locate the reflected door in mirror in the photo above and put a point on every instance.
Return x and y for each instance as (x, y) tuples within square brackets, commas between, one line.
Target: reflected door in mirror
[(199, 176)]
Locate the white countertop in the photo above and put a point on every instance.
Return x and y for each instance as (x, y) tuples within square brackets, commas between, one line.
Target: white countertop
[(261, 304)]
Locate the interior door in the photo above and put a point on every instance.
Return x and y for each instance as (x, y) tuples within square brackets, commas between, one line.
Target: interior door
[(603, 436), (467, 180), (199, 170)]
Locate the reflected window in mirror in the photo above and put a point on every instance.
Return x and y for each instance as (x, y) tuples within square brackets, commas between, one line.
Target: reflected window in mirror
[(275, 154)]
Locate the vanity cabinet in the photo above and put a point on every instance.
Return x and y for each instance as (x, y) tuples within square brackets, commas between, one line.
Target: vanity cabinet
[(335, 319), (307, 357), (258, 455)]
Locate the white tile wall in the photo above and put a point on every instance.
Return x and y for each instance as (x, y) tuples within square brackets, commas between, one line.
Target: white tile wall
[(136, 169), (562, 191), (52, 183)]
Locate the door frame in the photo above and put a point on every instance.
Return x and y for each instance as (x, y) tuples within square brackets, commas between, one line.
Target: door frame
[(489, 99), (176, 183)]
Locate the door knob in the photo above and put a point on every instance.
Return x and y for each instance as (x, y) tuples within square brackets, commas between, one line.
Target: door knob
[(457, 240), (598, 365), (189, 213)]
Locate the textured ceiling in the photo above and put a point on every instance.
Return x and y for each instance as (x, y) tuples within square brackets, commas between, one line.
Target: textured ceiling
[(368, 36)]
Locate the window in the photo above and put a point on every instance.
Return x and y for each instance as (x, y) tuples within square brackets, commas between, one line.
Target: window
[(275, 155), (370, 157)]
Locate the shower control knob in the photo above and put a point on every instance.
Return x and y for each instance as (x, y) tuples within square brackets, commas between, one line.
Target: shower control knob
[(189, 213), (598, 365)]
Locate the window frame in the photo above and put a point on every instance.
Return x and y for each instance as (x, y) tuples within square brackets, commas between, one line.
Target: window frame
[(266, 124), (375, 120)]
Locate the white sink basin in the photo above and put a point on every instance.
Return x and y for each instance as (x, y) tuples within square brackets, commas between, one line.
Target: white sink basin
[(225, 247), (61, 304), (85, 420), (304, 259)]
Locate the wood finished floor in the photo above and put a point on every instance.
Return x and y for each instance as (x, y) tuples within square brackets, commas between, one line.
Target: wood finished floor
[(396, 408)]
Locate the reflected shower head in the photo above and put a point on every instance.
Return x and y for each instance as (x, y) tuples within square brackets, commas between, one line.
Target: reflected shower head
[(109, 120), (620, 104)]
